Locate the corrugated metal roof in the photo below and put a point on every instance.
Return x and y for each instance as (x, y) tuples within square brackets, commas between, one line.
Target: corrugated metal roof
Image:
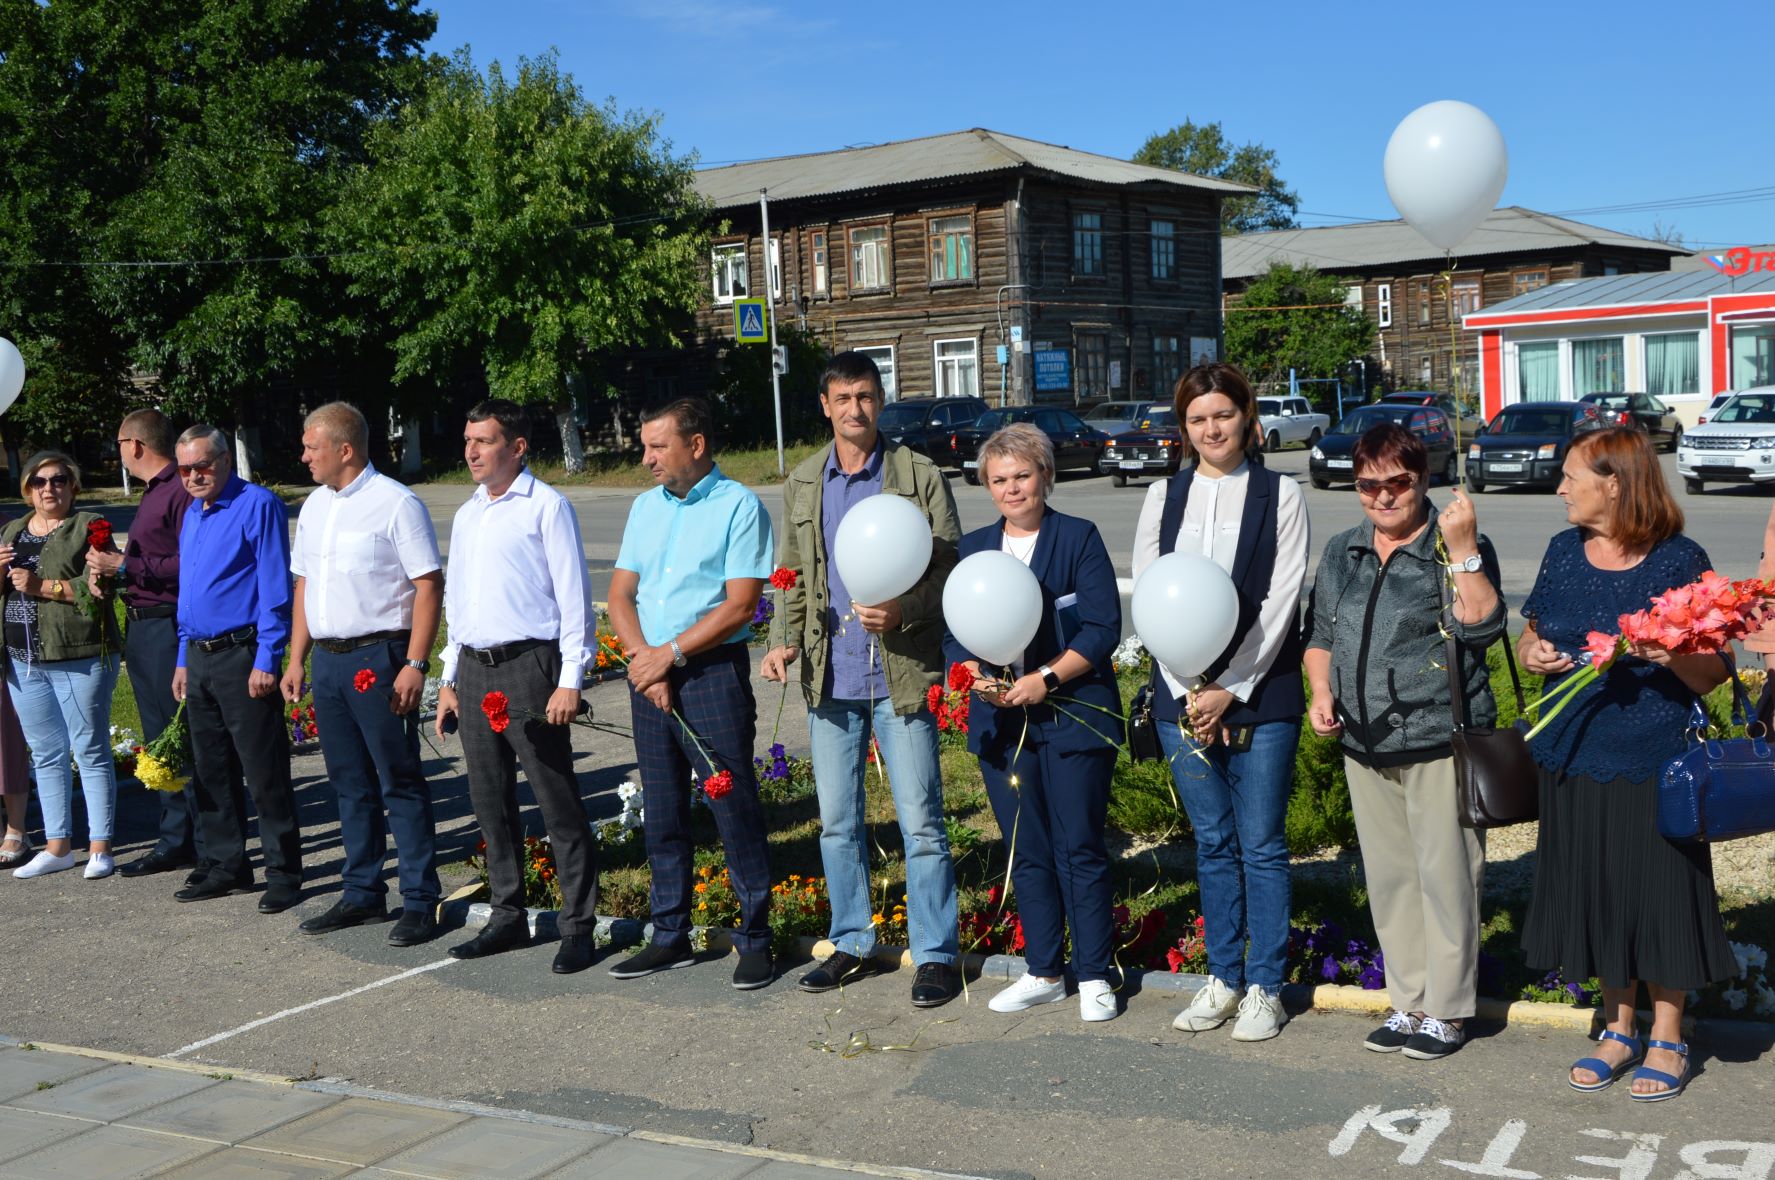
[(1627, 290), (1369, 244), (936, 157)]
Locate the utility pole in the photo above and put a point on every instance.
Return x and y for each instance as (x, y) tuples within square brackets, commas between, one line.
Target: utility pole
[(770, 304)]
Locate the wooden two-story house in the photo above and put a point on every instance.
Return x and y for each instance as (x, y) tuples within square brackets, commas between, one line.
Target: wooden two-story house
[(976, 263)]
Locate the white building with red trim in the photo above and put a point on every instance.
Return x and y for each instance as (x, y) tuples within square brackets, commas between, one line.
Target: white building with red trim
[(1682, 336)]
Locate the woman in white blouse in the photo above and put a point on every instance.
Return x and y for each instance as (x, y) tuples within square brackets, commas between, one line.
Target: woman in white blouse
[(1235, 767)]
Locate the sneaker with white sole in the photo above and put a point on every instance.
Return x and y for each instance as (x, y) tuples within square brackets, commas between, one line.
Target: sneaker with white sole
[(1392, 1036), (1212, 1007), (1261, 1016), (99, 864), (45, 863), (1434, 1040), (1028, 992), (1097, 1000)]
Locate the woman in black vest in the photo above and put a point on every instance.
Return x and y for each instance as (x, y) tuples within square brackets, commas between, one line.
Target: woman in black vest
[(1235, 773)]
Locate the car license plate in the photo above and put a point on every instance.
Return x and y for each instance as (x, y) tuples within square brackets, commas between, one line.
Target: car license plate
[(1132, 464), (1339, 462), (969, 464), (1503, 467)]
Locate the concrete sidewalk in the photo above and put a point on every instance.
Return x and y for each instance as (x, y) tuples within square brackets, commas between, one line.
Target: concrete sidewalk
[(71, 1113)]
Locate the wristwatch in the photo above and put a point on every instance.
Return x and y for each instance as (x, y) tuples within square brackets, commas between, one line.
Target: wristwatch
[(1050, 677), (678, 658), (424, 666), (1471, 565), (55, 588)]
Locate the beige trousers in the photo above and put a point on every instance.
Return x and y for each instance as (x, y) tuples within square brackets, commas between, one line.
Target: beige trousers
[(1424, 872)]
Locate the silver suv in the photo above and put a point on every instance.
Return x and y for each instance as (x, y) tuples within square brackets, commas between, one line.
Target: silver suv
[(1735, 445)]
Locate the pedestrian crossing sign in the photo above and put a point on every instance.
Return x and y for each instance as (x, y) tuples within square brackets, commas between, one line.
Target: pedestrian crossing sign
[(749, 324)]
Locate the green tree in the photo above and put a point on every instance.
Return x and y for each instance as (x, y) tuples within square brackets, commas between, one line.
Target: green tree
[(512, 226), (741, 393), (1203, 149), (1295, 319)]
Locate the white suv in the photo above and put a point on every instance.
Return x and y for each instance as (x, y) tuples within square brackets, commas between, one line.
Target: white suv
[(1735, 445)]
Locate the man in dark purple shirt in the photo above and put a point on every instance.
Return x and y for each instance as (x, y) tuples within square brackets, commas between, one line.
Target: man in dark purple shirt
[(147, 573)]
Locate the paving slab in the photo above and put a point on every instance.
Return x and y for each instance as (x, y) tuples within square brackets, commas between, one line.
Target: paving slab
[(483, 1147), (243, 1163), (230, 1112), (24, 1131), (108, 1153), (356, 1131), (637, 1159), (115, 1092), (22, 1071)]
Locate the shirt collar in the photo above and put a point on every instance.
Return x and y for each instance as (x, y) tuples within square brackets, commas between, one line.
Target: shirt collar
[(360, 483), (170, 471), (523, 485), (701, 490), (1423, 546), (230, 490), (870, 470)]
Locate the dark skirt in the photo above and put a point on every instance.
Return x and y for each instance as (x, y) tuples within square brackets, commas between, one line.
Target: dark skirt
[(1615, 899)]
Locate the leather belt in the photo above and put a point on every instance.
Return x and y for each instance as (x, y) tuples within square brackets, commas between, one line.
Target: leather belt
[(341, 647), (492, 657), (137, 613), (224, 642)]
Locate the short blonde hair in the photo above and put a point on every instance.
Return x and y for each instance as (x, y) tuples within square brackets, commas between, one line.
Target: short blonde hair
[(41, 460), (343, 423), (1024, 443)]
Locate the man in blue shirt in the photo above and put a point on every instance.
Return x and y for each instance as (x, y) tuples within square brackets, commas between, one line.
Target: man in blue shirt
[(234, 620), (695, 555)]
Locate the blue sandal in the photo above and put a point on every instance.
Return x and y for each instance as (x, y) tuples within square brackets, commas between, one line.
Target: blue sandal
[(1608, 1074), (1676, 1084)]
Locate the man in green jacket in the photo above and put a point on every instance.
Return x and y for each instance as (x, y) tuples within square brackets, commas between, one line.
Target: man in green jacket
[(865, 671)]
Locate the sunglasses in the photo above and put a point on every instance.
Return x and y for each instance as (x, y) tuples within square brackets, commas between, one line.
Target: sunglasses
[(38, 482), (207, 466), (1398, 485)]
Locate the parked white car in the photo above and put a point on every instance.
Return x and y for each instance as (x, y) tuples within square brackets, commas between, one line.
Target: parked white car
[(1735, 445), (1288, 420)]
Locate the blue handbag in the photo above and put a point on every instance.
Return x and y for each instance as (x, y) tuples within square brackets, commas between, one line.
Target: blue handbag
[(1721, 788)]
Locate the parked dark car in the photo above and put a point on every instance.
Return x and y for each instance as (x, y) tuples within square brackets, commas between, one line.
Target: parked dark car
[(1470, 419), (1641, 410), (1331, 459), (1116, 417), (1525, 444), (1077, 447), (1156, 448), (926, 424)]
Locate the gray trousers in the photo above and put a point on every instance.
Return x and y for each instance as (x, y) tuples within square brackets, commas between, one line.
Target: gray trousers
[(546, 753), (1424, 872)]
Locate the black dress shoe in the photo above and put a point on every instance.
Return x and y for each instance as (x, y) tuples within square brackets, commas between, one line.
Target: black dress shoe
[(653, 958), (754, 970), (279, 897), (934, 985), (208, 887), (840, 969), (156, 862), (576, 954), (200, 871), (493, 940), (343, 914), (414, 927)]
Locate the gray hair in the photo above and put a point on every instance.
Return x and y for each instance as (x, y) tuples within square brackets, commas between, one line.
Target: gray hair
[(1023, 443), (205, 433), (343, 423)]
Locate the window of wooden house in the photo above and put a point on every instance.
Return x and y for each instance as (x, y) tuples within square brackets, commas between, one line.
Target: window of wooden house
[(872, 263), (817, 251), (1466, 296), (1164, 250), (1167, 364), (1427, 372), (952, 249), (1424, 305), (957, 364), (1092, 376), (1383, 305), (883, 356), (729, 265), (1087, 244), (1353, 296), (1524, 281)]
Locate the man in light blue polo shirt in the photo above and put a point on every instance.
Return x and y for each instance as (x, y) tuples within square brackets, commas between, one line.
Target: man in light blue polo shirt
[(695, 556)]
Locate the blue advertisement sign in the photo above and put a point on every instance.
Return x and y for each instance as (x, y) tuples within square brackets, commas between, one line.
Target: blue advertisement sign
[(1053, 369)]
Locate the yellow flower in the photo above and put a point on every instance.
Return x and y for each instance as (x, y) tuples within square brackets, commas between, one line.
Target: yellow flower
[(157, 775), (702, 886), (877, 919)]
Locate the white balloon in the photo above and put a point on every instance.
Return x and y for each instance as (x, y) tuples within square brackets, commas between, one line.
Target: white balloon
[(882, 549), (1445, 168), (1185, 610), (12, 374), (993, 605)]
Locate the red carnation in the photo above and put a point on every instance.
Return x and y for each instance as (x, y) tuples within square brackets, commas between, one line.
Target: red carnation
[(717, 785), (98, 533), (364, 680), (960, 679), (933, 697), (784, 578), (496, 707)]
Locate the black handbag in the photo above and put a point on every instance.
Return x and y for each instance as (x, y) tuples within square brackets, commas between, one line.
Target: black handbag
[(1143, 738), (1497, 782), (1720, 788)]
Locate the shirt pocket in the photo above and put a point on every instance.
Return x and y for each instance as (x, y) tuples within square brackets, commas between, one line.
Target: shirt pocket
[(355, 553)]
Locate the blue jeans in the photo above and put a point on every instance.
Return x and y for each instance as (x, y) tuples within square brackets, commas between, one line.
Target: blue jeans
[(66, 707), (839, 732), (1237, 804)]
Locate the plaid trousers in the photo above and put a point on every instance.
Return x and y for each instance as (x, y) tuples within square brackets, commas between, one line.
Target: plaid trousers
[(714, 696)]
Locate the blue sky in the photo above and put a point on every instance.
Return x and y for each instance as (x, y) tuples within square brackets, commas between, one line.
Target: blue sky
[(1600, 104)]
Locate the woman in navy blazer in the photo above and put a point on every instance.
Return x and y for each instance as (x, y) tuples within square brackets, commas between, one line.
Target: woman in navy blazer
[(1047, 740)]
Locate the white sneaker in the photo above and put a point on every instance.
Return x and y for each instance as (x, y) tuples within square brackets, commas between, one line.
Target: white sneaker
[(1097, 1001), (1210, 1009), (1027, 992), (99, 864), (43, 864), (1261, 1016)]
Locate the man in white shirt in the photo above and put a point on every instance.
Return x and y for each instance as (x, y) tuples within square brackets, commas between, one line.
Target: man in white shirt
[(369, 591), (519, 610)]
